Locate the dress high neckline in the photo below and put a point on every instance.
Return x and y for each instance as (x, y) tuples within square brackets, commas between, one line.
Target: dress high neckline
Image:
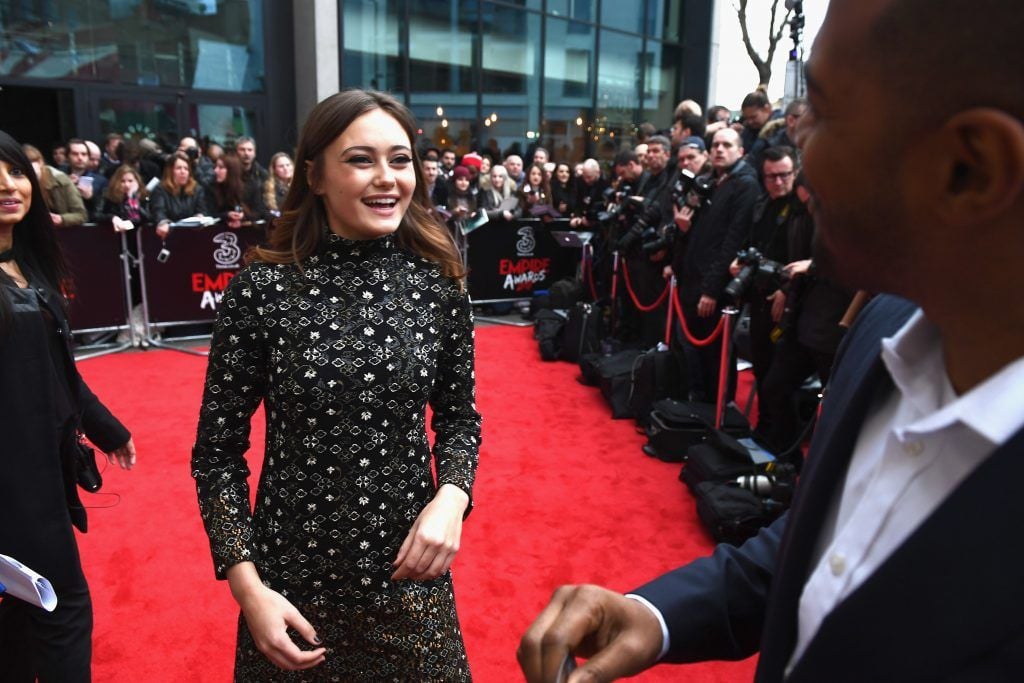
[(341, 245)]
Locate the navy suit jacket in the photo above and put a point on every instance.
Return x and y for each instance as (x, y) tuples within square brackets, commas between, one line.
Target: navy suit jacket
[(948, 605)]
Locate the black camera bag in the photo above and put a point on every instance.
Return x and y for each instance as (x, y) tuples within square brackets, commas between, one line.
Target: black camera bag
[(583, 331), (731, 514), (565, 293), (674, 426), (548, 329), (656, 375), (614, 374), (720, 458)]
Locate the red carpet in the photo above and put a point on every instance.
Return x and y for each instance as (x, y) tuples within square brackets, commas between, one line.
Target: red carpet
[(563, 495)]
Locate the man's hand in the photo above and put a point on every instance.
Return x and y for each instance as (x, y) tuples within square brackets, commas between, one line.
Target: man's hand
[(735, 267), (619, 636), (268, 614), (163, 229), (666, 272), (57, 219), (433, 540), (778, 299), (706, 306), (683, 217)]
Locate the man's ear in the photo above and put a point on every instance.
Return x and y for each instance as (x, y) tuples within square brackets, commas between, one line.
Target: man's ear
[(308, 168), (983, 165)]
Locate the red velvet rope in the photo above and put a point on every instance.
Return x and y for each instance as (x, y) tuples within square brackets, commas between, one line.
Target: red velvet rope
[(686, 331), (632, 294)]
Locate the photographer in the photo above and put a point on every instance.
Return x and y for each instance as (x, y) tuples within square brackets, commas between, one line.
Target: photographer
[(777, 221), (711, 243), (644, 245), (590, 197), (808, 343)]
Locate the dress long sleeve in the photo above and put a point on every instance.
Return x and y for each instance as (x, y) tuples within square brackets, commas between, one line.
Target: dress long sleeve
[(456, 422), (235, 385)]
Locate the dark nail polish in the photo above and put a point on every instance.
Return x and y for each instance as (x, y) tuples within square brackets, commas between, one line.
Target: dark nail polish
[(316, 639)]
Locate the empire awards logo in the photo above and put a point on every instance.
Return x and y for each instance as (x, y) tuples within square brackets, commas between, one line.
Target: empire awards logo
[(527, 243)]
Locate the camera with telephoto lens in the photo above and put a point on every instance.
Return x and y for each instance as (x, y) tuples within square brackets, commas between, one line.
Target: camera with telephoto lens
[(616, 201), (777, 483), (763, 273), (691, 189), (662, 239)]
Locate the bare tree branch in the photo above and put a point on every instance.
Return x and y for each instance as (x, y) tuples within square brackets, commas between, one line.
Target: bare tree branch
[(763, 66)]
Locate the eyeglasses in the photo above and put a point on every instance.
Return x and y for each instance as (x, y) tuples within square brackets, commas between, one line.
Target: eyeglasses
[(778, 177)]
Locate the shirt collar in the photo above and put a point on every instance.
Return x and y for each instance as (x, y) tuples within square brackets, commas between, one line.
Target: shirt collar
[(915, 360)]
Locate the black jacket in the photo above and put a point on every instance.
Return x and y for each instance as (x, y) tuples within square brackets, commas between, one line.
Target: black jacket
[(38, 493), (717, 232), (173, 207)]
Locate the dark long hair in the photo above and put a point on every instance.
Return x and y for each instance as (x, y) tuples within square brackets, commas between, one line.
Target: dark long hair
[(231, 192), (299, 231), (35, 247)]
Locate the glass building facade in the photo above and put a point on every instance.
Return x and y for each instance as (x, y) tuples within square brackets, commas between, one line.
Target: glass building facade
[(573, 75)]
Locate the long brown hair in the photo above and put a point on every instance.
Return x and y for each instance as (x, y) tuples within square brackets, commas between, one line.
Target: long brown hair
[(298, 233), (114, 192), (231, 192), (167, 181)]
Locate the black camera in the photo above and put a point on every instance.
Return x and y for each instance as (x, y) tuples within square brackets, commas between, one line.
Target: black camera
[(777, 483), (766, 275), (192, 153), (618, 200), (661, 240), (691, 189)]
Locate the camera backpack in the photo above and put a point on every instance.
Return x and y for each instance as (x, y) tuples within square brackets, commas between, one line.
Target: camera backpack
[(616, 376), (565, 293), (548, 329), (732, 514), (674, 426), (656, 375)]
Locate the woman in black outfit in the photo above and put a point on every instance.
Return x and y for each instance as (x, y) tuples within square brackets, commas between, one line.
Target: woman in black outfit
[(563, 190), (347, 325), (125, 201), (178, 195), (44, 403), (230, 202)]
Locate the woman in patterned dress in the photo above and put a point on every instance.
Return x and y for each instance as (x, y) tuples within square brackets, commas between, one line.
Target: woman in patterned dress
[(346, 326)]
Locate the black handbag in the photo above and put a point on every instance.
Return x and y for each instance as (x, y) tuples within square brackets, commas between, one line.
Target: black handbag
[(87, 473)]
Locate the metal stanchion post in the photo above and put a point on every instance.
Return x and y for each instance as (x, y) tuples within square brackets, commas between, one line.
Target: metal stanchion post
[(723, 366), (615, 288), (671, 308)]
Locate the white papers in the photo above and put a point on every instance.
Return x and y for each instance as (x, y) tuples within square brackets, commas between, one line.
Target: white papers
[(25, 584)]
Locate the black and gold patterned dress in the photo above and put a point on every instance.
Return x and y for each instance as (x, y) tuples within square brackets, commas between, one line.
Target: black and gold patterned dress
[(346, 353)]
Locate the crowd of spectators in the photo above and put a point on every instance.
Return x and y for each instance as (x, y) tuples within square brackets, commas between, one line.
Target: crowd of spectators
[(680, 199)]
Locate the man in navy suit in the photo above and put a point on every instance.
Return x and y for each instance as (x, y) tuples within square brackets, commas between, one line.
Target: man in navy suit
[(900, 559)]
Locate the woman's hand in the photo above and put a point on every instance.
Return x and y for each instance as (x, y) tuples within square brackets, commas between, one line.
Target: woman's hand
[(123, 456), (268, 615), (163, 229), (430, 547)]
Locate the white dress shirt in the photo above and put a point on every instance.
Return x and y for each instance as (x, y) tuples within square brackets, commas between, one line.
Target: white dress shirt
[(916, 446)]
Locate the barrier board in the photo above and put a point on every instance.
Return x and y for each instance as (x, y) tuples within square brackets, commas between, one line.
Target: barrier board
[(510, 260)]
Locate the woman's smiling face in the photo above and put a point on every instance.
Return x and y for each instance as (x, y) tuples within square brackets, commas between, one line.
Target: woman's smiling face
[(368, 177)]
